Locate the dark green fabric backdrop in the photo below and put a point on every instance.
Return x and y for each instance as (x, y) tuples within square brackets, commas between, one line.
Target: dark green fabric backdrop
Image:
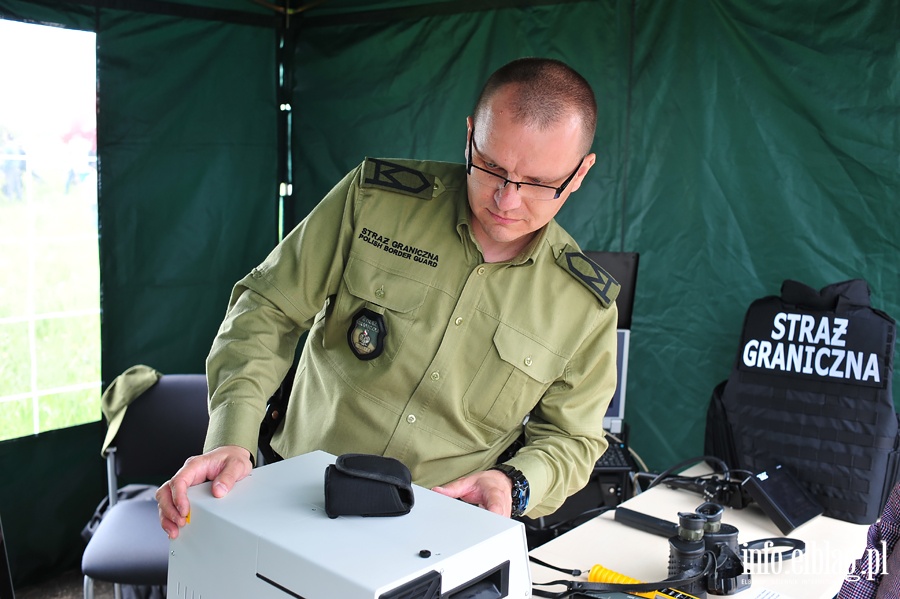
[(740, 143), (764, 146), (187, 203), (188, 192)]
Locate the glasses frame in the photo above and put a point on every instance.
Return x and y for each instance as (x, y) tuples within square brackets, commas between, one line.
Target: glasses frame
[(470, 165)]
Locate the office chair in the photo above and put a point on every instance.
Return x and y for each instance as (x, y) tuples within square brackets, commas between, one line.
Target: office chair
[(161, 428)]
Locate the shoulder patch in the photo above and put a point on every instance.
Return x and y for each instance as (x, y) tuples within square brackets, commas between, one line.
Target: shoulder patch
[(399, 178), (590, 274)]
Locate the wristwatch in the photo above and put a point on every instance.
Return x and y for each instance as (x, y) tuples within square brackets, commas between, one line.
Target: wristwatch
[(520, 490)]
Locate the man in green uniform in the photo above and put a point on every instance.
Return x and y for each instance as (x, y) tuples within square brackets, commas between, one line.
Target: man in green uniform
[(448, 313)]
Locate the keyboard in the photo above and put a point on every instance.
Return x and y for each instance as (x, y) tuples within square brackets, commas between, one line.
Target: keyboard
[(615, 457)]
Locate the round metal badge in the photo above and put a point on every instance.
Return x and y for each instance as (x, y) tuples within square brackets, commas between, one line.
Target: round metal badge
[(366, 334)]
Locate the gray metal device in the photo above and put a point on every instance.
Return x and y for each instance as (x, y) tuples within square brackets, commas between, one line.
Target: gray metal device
[(270, 538)]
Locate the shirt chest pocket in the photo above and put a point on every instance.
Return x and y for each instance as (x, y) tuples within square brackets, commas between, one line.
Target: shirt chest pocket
[(395, 298), (508, 387)]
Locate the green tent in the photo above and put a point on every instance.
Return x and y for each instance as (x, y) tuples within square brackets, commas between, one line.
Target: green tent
[(740, 143)]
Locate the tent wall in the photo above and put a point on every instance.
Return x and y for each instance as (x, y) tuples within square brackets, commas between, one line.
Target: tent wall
[(740, 143), (51, 484), (188, 188), (187, 203), (763, 147)]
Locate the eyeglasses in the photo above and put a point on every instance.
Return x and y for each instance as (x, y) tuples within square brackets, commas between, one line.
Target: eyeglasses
[(528, 191)]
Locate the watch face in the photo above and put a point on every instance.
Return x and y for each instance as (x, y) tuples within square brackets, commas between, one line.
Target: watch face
[(520, 492), (519, 500)]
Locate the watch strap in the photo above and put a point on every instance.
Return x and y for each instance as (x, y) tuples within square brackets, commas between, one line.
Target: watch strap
[(520, 488)]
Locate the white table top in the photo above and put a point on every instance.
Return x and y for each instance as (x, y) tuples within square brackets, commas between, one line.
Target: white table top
[(831, 546)]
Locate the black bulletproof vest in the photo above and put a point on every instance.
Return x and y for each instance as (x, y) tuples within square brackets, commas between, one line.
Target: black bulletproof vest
[(811, 390)]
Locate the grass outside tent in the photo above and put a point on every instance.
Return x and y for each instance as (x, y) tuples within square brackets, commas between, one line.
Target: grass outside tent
[(49, 304)]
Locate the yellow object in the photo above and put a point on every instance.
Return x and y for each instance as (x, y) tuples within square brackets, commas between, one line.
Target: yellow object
[(600, 574)]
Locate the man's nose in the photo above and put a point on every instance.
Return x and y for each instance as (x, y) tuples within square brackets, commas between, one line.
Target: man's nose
[(508, 197)]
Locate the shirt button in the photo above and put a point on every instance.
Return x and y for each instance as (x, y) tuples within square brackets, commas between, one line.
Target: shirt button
[(411, 419), (379, 292), (435, 376), (458, 320), (481, 270), (528, 361)]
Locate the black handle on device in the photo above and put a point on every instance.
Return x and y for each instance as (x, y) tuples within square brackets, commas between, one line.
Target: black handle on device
[(651, 524)]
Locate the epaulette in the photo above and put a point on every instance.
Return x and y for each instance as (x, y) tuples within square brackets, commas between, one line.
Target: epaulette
[(399, 178), (590, 274)]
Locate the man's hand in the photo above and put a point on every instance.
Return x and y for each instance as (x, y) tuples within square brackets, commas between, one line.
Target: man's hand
[(223, 465), (490, 489)]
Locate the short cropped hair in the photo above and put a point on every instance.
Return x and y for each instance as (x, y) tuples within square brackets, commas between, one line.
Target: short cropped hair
[(547, 91)]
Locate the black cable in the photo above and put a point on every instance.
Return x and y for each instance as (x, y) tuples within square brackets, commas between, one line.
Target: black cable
[(690, 462), (588, 589), (557, 568), (587, 515)]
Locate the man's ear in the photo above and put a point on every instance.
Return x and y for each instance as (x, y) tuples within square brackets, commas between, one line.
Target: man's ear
[(469, 124), (586, 165)]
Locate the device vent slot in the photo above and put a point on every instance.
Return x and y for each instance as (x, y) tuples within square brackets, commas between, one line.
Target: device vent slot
[(427, 586), (493, 584), (183, 592)]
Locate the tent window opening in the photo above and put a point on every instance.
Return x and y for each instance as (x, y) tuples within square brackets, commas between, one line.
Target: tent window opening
[(49, 256)]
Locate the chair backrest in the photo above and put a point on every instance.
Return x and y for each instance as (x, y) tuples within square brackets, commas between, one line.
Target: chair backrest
[(163, 427), (623, 266)]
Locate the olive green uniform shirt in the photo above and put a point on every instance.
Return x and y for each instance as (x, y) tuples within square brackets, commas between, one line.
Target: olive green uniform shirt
[(471, 348)]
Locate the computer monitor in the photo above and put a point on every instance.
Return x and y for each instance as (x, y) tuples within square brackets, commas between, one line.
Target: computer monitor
[(623, 267), (615, 412)]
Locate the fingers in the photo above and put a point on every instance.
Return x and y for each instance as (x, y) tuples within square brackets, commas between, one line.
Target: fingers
[(234, 470), (224, 466), (498, 500), (499, 503), (170, 517), (491, 490), (456, 489)]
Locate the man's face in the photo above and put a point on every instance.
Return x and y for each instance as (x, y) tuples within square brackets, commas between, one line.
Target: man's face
[(503, 221)]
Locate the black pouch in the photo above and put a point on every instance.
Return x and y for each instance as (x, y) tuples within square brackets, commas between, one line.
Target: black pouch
[(367, 485)]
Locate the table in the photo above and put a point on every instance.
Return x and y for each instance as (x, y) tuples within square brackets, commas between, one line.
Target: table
[(831, 546)]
